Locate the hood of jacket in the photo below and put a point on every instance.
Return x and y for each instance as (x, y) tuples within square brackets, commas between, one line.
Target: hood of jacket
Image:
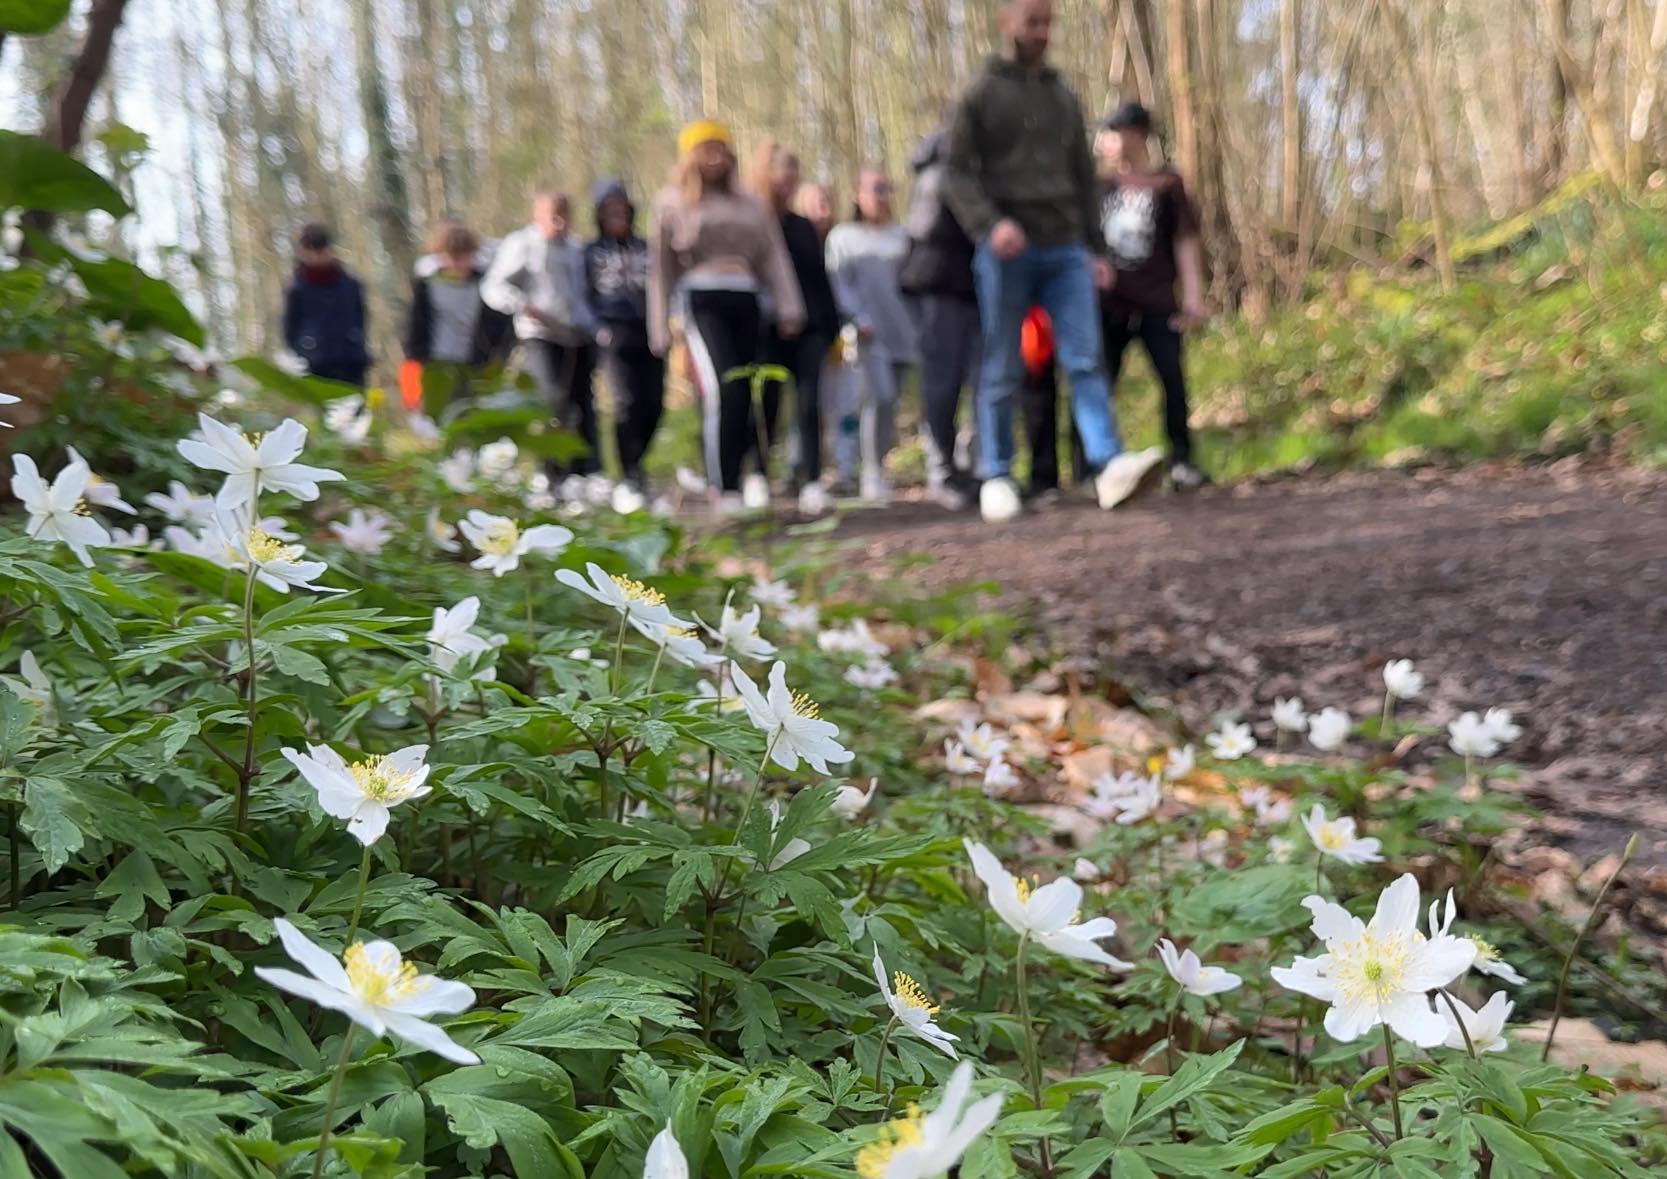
[(607, 190)]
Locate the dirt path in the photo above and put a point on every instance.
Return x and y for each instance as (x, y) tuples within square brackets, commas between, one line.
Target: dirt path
[(1542, 590)]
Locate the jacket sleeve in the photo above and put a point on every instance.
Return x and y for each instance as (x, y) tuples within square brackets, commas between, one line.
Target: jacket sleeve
[(1087, 183), (504, 287), (663, 277), (775, 267), (419, 323), (292, 318), (584, 311), (846, 292), (963, 188)]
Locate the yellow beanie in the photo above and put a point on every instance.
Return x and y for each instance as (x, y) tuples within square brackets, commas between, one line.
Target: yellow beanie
[(703, 131)]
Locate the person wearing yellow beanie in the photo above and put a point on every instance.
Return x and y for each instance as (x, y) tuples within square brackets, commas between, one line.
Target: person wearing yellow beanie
[(703, 131)]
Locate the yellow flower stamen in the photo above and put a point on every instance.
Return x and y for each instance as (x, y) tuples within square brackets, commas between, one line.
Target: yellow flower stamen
[(911, 993), (804, 706), (1025, 887), (267, 550), (873, 1159), (500, 538), (1485, 951), (1371, 968), (380, 782), (636, 591), (375, 986), (681, 632), (1332, 838)]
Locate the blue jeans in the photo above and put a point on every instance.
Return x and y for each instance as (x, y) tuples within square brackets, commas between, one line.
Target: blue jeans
[(1061, 280)]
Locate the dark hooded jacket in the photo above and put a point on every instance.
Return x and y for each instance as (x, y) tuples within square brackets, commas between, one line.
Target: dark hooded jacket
[(324, 320), (939, 261), (616, 273)]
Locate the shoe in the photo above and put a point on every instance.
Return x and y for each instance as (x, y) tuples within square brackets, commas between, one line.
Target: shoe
[(843, 487), (998, 500), (1126, 476), (813, 500), (875, 489), (729, 505), (1186, 477), (755, 492), (1041, 498), (628, 499)]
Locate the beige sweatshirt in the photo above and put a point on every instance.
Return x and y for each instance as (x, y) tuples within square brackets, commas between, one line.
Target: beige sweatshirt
[(724, 234)]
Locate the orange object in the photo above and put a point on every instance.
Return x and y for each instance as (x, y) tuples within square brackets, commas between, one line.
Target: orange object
[(411, 384), (1036, 342)]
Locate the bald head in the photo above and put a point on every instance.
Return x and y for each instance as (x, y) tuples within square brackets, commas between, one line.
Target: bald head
[(1028, 25)]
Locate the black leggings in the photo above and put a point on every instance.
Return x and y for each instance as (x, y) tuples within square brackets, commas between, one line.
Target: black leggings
[(723, 334), (1039, 398), (1163, 346), (637, 380), (563, 373), (802, 356)]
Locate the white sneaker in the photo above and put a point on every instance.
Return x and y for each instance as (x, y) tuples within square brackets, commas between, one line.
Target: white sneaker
[(730, 504), (627, 499), (875, 489), (1126, 475), (813, 500), (755, 492), (998, 500)]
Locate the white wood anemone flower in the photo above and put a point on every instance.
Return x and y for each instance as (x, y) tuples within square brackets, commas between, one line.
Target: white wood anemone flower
[(364, 792), (9, 399), (1180, 762), (851, 801), (1328, 729), (451, 638), (1192, 975), (791, 722), (1488, 961), (665, 1158), (1486, 1024), (913, 1008), (276, 564), (925, 1146), (34, 690), (1231, 741), (1289, 715), (375, 988), (1337, 838), (101, 492), (253, 466), (442, 532), (1471, 736), (737, 634), (642, 606), (182, 505), (1046, 914), (58, 510), (683, 646), (1381, 971), (502, 542), (1502, 725), (777, 595), (1401, 681), (365, 533)]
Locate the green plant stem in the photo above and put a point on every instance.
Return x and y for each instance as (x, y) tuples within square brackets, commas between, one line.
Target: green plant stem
[(1568, 960), (654, 672), (1033, 1048), (880, 1058), (331, 1100), (1169, 1058), (359, 897), (246, 775), (1388, 714), (14, 815), (1394, 1081), (619, 657), (1453, 1007), (752, 797)]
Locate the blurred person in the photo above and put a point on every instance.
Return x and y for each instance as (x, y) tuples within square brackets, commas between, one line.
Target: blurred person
[(1021, 181), (775, 180), (450, 331), (716, 259), (937, 275), (324, 311), (1039, 406), (616, 273), (865, 259), (538, 276), (1151, 231)]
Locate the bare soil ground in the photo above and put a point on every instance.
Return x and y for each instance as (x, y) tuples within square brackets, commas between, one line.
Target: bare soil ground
[(1540, 589)]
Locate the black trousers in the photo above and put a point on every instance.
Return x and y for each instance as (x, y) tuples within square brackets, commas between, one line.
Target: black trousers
[(952, 339), (803, 357), (563, 374), (637, 379), (1039, 400), (1163, 347), (722, 332)]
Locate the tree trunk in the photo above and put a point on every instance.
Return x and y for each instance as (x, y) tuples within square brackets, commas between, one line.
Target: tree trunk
[(1557, 130), (1419, 94), (69, 113), (1183, 121), (391, 207), (1643, 105), (1290, 113)]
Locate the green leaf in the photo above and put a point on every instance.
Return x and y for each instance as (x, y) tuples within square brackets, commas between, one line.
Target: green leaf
[(134, 881), (1193, 1077), (117, 289), (484, 1122), (31, 18), (308, 390), (36, 175), (53, 818)]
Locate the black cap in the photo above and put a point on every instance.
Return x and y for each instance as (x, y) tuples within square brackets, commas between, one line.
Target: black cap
[(1131, 116)]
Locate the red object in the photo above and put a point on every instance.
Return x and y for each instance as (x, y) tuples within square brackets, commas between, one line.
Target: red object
[(1036, 342), (411, 384)]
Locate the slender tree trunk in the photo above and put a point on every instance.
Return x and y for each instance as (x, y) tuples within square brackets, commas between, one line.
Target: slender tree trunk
[(1556, 143), (1643, 104), (1419, 94), (391, 208), (1290, 113), (1183, 119), (69, 114)]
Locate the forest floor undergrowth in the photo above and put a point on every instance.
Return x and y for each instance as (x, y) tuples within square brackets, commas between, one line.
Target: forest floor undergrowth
[(1541, 588)]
